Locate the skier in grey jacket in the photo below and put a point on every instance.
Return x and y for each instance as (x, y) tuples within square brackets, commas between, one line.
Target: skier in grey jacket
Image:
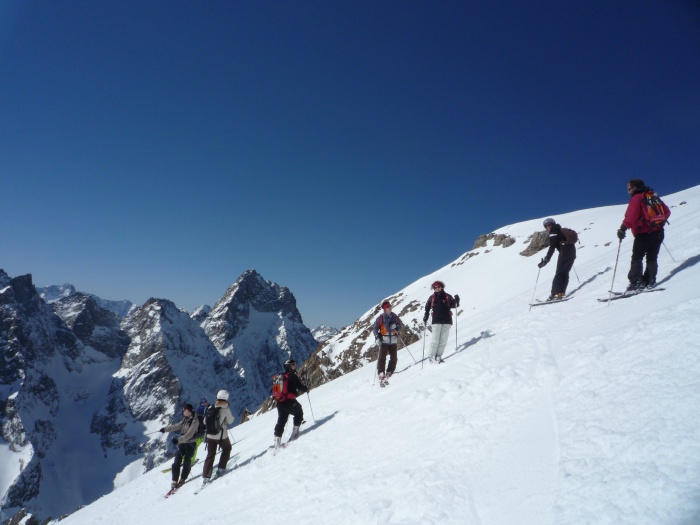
[(386, 333), (185, 445), (220, 439)]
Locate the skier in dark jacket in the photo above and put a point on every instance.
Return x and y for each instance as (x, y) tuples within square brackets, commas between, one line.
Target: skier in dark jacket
[(290, 406), (648, 238), (441, 303), (386, 333), (567, 256), (185, 444)]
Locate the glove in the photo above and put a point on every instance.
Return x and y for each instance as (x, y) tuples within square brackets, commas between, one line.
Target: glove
[(456, 300), (378, 341), (425, 318), (162, 430), (542, 263), (174, 440), (621, 233), (393, 327)]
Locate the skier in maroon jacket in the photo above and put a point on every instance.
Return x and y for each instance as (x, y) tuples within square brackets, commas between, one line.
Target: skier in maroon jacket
[(441, 304), (648, 238)]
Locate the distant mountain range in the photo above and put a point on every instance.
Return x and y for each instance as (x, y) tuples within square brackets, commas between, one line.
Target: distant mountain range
[(91, 381), (323, 332)]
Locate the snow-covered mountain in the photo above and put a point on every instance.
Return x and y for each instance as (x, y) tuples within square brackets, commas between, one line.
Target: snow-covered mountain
[(323, 332), (581, 412), (80, 385), (53, 293), (257, 325)]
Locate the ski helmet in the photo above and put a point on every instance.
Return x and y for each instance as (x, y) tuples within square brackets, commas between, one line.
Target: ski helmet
[(223, 395), (288, 364), (547, 221)]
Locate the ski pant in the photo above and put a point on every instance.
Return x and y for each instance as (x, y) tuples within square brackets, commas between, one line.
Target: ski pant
[(183, 458), (381, 360), (565, 262), (645, 244), (284, 410), (212, 445), (441, 332)]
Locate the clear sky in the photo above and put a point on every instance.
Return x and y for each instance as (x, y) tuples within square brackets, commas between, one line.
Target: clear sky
[(341, 148)]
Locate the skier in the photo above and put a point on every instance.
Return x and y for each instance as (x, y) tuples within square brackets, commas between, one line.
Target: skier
[(648, 238), (220, 415), (386, 333), (565, 261), (185, 445), (290, 405), (441, 303)]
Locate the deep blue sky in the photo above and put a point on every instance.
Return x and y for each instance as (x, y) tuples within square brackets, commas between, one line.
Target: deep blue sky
[(342, 149)]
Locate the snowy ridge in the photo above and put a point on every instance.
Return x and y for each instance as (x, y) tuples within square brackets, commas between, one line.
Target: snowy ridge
[(580, 413)]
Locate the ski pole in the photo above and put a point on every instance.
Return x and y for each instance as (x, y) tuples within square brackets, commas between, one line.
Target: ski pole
[(310, 407), (456, 315), (576, 274), (669, 253), (425, 334), (404, 345), (615, 270), (535, 290)]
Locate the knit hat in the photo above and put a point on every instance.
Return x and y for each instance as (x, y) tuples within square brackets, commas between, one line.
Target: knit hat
[(385, 305), (189, 407), (438, 283)]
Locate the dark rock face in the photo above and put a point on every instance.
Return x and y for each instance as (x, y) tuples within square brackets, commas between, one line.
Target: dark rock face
[(34, 343), (538, 241), (499, 239), (93, 325)]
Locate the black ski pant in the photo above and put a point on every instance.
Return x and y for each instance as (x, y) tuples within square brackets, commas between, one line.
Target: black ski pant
[(212, 445), (645, 244), (567, 256), (183, 458), (385, 349), (284, 410)]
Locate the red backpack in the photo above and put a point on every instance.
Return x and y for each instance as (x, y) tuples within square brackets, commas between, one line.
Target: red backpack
[(279, 388), (655, 211)]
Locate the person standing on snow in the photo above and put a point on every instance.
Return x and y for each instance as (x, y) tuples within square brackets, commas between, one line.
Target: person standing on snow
[(565, 261), (185, 445), (441, 303), (221, 414), (386, 333), (290, 406), (648, 238)]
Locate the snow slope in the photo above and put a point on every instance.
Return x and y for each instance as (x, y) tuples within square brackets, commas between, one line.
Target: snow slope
[(574, 413)]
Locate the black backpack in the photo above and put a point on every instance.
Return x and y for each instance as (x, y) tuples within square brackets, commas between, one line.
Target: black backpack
[(211, 420), (202, 426)]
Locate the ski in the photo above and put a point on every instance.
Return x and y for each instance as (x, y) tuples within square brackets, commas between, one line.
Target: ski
[(625, 295), (230, 465), (173, 490), (555, 301)]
